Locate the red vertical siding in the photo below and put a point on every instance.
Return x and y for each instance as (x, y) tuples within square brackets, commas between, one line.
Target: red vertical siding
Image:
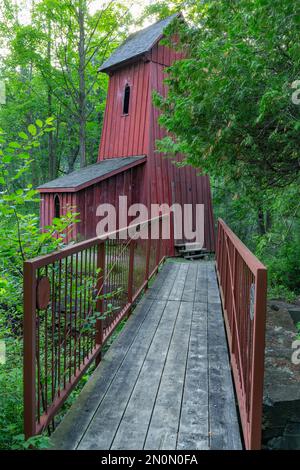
[(87, 200), (136, 134), (159, 180), (163, 55), (188, 186), (126, 135)]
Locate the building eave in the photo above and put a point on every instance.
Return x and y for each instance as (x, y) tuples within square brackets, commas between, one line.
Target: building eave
[(91, 182)]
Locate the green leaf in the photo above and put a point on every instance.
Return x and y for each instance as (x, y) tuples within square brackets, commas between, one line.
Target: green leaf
[(23, 135), (14, 145), (32, 129), (24, 155), (49, 120), (7, 159), (39, 123)]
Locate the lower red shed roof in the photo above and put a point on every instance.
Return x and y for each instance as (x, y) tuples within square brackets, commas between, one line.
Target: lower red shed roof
[(91, 174)]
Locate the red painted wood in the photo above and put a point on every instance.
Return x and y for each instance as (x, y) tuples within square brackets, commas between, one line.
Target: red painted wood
[(189, 188), (159, 180), (243, 286), (125, 135)]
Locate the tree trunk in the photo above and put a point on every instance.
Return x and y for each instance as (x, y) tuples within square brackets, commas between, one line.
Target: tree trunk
[(72, 159), (261, 221), (82, 91), (268, 221), (51, 152)]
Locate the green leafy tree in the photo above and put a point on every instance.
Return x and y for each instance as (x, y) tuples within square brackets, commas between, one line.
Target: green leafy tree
[(50, 67), (229, 111), (230, 105)]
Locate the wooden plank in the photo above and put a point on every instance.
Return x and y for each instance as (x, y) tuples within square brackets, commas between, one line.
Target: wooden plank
[(194, 428), (132, 431), (188, 294), (224, 428), (177, 290), (70, 431), (166, 382), (104, 425), (201, 284), (163, 285), (162, 433)]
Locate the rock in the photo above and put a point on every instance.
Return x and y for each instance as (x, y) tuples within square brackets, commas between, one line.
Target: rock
[(295, 314), (275, 443), (274, 307), (290, 440), (282, 380)]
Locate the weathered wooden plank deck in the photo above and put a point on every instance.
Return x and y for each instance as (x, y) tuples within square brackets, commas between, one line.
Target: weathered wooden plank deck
[(165, 383)]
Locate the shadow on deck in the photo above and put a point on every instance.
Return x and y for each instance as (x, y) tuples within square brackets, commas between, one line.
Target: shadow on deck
[(165, 383)]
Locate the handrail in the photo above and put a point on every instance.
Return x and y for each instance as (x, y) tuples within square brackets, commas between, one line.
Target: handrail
[(70, 249), (243, 286), (252, 261), (74, 299)]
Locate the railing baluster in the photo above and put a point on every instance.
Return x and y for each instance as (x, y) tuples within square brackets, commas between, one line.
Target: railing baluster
[(90, 307), (158, 242), (256, 393), (45, 391), (70, 322), (148, 248), (80, 342), (85, 329), (29, 350), (65, 322), (130, 272), (75, 314), (59, 329), (53, 368), (100, 303)]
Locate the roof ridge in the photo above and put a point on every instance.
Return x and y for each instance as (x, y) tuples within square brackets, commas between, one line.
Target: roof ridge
[(138, 43)]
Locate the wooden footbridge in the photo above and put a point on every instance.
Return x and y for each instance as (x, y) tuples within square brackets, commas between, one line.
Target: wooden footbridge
[(186, 371)]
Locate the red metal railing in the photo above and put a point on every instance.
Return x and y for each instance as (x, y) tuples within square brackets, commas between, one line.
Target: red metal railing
[(73, 301), (243, 286)]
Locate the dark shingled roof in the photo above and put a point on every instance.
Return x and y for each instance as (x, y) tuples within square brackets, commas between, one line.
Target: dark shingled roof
[(91, 174), (138, 43)]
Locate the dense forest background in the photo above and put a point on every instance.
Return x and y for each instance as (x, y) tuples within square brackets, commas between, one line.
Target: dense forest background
[(233, 109)]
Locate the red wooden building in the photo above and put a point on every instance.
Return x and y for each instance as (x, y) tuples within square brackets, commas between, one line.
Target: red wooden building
[(128, 163)]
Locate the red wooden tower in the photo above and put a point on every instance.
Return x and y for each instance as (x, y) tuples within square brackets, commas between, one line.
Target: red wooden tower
[(128, 163)]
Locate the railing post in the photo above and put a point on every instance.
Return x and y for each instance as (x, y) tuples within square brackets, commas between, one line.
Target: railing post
[(158, 242), (235, 304), (100, 302), (29, 338), (218, 243), (171, 243), (148, 249), (257, 384), (130, 273)]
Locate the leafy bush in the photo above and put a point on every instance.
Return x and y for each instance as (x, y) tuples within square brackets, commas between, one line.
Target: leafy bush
[(21, 239)]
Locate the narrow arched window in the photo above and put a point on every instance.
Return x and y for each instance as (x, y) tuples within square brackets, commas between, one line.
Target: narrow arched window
[(56, 206), (126, 99)]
